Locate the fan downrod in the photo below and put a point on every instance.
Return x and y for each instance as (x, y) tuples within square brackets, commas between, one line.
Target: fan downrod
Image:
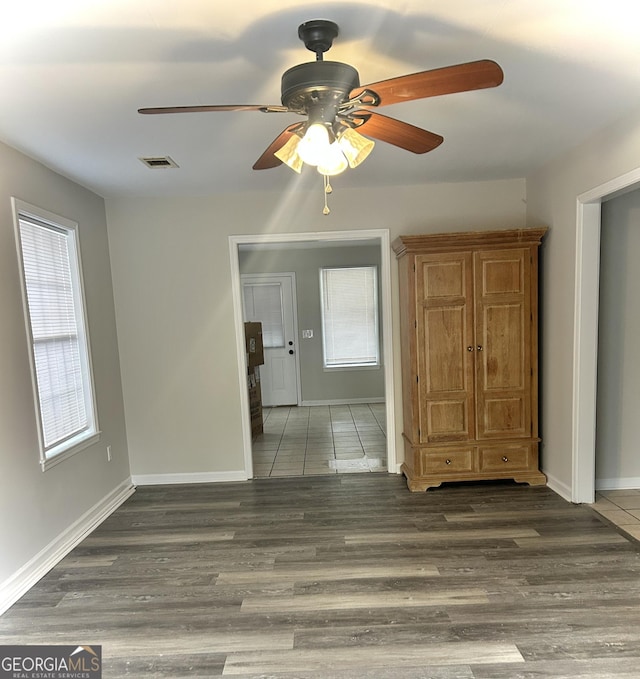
[(318, 35)]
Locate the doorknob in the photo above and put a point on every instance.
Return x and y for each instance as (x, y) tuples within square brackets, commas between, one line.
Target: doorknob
[(291, 351), (290, 344)]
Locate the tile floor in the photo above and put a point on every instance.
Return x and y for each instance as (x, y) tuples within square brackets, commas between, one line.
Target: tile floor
[(622, 508), (312, 440)]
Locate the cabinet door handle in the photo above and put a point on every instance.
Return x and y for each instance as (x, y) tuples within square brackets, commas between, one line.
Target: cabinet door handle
[(447, 461), (469, 348), (505, 458), (479, 347)]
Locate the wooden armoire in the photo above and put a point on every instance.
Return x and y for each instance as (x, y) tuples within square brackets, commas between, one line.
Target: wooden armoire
[(469, 329)]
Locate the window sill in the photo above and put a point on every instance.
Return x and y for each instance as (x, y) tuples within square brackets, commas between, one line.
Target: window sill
[(342, 368), (71, 448)]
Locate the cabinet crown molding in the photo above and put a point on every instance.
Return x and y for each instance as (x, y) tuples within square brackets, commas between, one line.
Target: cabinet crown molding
[(457, 240)]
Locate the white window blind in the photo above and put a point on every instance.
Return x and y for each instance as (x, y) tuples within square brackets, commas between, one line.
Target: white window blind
[(350, 316), (55, 316), (263, 302)]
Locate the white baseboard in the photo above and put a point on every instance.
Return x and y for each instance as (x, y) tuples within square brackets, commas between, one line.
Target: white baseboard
[(196, 477), (27, 576), (631, 482), (559, 487), (343, 401)]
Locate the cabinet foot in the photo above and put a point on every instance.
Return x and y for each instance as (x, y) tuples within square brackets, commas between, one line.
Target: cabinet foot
[(532, 478), (417, 485)]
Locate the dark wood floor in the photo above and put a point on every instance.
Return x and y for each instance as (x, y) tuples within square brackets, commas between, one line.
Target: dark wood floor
[(345, 577)]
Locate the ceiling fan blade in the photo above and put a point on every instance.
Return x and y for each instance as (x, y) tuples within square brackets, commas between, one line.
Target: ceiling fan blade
[(475, 75), (267, 159), (210, 109), (395, 132)]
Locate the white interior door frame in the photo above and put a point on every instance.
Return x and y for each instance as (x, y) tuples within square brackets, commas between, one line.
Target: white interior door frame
[(585, 339), (382, 235)]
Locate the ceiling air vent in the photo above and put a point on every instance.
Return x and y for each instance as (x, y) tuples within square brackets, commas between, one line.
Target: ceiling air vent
[(160, 162)]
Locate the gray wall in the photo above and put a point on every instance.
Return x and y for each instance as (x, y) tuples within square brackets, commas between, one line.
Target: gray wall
[(37, 507), (552, 193), (171, 270), (316, 383), (618, 404)]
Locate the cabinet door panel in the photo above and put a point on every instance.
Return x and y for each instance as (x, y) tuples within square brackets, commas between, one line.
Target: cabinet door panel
[(503, 333), (443, 277), (504, 416), (447, 419), (501, 337), (444, 331)]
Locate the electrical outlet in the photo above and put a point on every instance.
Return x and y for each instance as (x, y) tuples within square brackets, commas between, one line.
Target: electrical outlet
[(108, 453)]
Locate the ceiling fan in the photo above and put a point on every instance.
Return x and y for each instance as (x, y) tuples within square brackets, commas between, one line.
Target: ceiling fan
[(339, 109)]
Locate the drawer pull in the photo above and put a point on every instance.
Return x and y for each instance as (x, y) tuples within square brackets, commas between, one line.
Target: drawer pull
[(505, 458), (447, 461)]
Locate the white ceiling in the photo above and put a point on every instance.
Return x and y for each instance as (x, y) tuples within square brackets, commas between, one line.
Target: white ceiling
[(74, 72)]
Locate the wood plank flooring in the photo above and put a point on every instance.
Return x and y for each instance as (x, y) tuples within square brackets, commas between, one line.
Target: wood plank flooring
[(345, 577)]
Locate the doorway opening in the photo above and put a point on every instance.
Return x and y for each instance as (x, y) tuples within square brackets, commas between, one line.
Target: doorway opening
[(343, 239), (585, 345)]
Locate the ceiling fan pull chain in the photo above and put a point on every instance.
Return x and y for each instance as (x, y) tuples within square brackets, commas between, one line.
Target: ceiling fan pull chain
[(327, 190)]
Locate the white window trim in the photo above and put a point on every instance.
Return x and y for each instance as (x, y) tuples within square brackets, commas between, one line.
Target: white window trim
[(83, 440), (351, 368)]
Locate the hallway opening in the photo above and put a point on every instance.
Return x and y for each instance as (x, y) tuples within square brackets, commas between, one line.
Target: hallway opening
[(318, 440)]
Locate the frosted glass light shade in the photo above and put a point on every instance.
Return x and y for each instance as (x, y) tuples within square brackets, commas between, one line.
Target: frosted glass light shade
[(314, 145), (355, 147), (289, 155), (333, 162)]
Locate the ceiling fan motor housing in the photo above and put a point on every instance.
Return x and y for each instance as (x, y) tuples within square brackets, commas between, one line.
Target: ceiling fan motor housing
[(317, 83)]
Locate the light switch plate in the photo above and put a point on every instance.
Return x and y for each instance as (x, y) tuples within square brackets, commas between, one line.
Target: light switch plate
[(307, 334)]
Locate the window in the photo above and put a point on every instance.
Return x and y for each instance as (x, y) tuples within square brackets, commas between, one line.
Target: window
[(350, 317), (56, 329)]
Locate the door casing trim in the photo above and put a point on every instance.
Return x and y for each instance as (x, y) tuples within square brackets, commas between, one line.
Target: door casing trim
[(585, 331), (382, 235)]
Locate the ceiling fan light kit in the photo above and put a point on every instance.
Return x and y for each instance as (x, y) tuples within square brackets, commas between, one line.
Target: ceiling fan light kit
[(340, 120), (316, 148)]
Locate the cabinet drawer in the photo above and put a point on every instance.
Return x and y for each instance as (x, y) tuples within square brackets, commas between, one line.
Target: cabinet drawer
[(446, 461), (505, 458)]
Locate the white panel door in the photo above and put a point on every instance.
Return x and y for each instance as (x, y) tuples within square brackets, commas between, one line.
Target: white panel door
[(270, 299)]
